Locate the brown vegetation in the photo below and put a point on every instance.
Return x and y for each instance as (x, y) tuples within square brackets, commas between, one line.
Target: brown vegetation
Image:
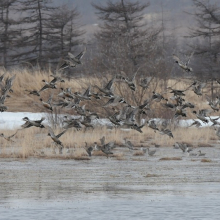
[(22, 101), (206, 160), (205, 145), (170, 158), (152, 175), (119, 156), (34, 142), (138, 153)]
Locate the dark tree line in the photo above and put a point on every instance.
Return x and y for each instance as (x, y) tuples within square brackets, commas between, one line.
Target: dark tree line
[(207, 34), (7, 32), (37, 31), (126, 41)]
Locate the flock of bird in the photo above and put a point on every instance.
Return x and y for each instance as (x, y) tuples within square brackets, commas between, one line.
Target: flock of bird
[(124, 114)]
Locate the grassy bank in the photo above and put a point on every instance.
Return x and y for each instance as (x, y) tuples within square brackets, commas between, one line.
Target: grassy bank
[(34, 142)]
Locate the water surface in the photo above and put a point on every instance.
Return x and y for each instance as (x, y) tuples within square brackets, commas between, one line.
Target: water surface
[(101, 188)]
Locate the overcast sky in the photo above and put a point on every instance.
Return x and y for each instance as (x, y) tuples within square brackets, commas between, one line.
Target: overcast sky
[(173, 13), (174, 7)]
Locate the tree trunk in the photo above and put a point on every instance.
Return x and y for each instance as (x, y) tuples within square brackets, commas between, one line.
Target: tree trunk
[(5, 50), (40, 32)]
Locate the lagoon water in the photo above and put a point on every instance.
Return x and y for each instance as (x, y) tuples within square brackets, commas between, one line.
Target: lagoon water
[(114, 206), (101, 188)]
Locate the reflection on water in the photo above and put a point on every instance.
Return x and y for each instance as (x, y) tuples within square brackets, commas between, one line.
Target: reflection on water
[(115, 207), (144, 188)]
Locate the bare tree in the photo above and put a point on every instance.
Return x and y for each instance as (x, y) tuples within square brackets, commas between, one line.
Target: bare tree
[(124, 29), (31, 43), (64, 31), (207, 30), (206, 33), (6, 27), (127, 43)]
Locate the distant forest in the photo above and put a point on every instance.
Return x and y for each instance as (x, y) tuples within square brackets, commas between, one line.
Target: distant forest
[(36, 33)]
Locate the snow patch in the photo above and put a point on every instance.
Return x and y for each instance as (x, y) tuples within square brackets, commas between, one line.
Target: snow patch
[(13, 120)]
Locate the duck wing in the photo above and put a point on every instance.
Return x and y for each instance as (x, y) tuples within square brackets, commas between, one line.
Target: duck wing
[(39, 121), (87, 92), (133, 78), (205, 112), (109, 84), (43, 88), (13, 134), (80, 55), (191, 55), (176, 58), (2, 76), (50, 99), (60, 134), (89, 151)]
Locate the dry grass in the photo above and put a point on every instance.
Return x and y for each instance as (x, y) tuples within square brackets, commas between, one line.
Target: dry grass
[(206, 160), (205, 145), (35, 142), (151, 175), (32, 80), (119, 156), (170, 158), (138, 153), (139, 159), (80, 158), (192, 136), (98, 153), (61, 157)]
